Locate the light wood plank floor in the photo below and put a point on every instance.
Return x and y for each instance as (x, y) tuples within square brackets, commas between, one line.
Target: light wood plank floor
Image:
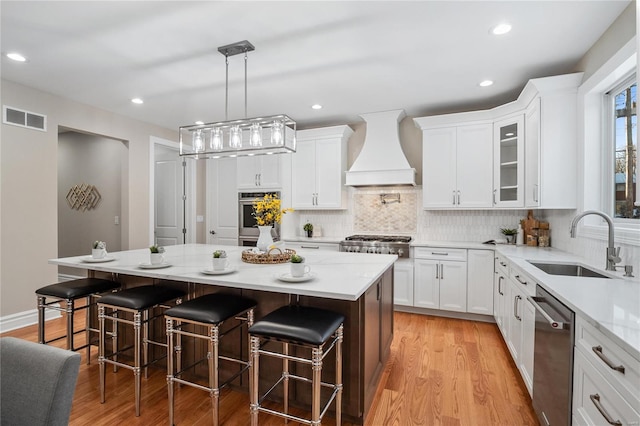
[(441, 372)]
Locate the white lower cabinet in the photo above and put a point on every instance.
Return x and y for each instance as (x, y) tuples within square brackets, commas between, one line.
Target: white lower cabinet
[(516, 316), (606, 379), (440, 284), (403, 282), (596, 401), (480, 282)]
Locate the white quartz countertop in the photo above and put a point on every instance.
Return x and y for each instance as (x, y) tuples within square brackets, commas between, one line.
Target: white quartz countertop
[(337, 275), (611, 305)]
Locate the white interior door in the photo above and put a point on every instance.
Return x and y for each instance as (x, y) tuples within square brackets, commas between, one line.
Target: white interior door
[(169, 204), (222, 202)]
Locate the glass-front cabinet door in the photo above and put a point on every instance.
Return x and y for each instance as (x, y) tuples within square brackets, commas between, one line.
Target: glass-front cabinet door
[(508, 170)]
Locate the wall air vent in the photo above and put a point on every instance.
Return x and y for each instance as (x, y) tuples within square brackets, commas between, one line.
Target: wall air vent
[(18, 117)]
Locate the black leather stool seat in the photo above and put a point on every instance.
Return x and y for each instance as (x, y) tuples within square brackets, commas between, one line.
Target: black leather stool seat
[(298, 324), (77, 288), (141, 298), (211, 308)]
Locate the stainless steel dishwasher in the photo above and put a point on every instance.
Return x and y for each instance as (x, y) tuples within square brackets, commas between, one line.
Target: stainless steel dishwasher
[(553, 359)]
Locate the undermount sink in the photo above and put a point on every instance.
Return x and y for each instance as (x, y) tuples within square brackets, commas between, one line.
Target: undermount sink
[(568, 269)]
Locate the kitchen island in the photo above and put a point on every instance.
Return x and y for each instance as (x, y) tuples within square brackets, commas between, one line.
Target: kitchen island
[(357, 285)]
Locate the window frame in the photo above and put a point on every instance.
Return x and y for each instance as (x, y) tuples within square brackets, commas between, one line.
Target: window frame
[(593, 152), (609, 149)]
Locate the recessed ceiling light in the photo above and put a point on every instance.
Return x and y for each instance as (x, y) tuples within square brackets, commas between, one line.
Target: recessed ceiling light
[(501, 29), (137, 101), (486, 83), (199, 123), (316, 106), (16, 57)]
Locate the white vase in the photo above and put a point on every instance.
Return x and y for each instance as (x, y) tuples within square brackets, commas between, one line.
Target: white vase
[(264, 240)]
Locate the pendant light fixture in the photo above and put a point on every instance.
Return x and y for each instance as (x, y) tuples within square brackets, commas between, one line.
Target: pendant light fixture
[(235, 138)]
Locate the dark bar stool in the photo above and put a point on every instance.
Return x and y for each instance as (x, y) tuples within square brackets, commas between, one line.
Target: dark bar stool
[(209, 311), (138, 301), (69, 292), (301, 326)]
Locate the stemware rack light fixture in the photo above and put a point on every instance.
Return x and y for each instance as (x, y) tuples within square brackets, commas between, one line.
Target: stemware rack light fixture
[(274, 134)]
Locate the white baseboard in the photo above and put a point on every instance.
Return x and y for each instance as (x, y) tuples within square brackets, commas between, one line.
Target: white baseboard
[(23, 319)]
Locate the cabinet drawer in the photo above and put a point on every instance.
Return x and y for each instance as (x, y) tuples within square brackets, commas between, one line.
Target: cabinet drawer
[(605, 355), (312, 246), (502, 264), (439, 253), (595, 400), (524, 281)]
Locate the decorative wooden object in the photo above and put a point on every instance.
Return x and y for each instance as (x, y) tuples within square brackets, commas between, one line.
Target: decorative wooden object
[(83, 197)]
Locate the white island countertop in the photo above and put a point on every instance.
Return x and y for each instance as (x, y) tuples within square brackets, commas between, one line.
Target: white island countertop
[(610, 304), (337, 275)]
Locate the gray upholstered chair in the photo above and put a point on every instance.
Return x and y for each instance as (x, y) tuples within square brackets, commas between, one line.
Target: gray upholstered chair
[(37, 383)]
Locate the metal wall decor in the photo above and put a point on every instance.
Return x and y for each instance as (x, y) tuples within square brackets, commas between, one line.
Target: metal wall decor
[(83, 197)]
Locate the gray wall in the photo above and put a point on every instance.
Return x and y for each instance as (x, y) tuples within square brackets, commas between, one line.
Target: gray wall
[(93, 160)]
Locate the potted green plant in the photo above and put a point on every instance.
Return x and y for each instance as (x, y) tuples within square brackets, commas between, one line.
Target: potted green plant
[(298, 268), (156, 256), (219, 260), (510, 234), (99, 250), (308, 228)]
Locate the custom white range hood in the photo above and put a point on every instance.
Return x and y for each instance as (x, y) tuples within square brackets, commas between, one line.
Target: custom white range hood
[(381, 161)]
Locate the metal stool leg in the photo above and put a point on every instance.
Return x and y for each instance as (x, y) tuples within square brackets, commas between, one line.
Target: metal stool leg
[(316, 366), (145, 342), (41, 302), (101, 363), (170, 371), (339, 334), (254, 373), (136, 353), (70, 305), (214, 340), (285, 381), (87, 323)]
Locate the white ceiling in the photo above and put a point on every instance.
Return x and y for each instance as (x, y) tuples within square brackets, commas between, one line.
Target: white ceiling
[(425, 57)]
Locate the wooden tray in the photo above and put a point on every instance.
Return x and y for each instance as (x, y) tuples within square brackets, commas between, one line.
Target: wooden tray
[(269, 257)]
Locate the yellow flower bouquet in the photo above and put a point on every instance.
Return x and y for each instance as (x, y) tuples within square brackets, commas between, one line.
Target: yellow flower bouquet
[(267, 210)]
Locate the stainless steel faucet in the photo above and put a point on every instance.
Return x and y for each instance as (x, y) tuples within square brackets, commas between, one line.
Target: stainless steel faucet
[(613, 253)]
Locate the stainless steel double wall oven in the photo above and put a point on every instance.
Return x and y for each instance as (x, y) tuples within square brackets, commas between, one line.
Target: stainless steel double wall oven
[(247, 227)]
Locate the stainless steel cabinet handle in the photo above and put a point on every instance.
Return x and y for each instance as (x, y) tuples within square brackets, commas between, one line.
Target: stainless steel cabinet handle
[(595, 398), (441, 271), (454, 198), (255, 179), (603, 357), (553, 323), (310, 247), (458, 197), (500, 278), (437, 270), (515, 307), (439, 253), (504, 265), (519, 280), (535, 192), (494, 196)]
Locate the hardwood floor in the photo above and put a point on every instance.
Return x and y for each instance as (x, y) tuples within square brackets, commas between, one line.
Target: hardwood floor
[(441, 372)]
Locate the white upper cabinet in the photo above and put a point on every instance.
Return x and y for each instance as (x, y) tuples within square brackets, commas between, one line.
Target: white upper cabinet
[(551, 142), (260, 172), (532, 150), (457, 167), (318, 168), (508, 167)]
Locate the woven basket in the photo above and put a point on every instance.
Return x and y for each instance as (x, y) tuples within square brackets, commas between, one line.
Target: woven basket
[(269, 257)]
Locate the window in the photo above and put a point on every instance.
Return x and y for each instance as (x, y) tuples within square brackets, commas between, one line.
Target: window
[(623, 100)]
